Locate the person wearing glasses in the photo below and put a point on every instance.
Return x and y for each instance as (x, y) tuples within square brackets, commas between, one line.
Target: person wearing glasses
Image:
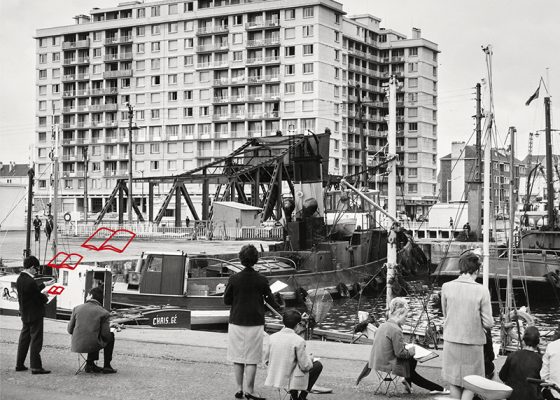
[(467, 313)]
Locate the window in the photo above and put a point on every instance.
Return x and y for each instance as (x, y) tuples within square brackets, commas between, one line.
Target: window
[(172, 79), (412, 143), (204, 76), (413, 67), (307, 105), (237, 38), (412, 82), (188, 60), (336, 91), (290, 88), (307, 87), (172, 45), (172, 113), (307, 49), (55, 89), (308, 68), (154, 114), (290, 33), (155, 97), (188, 77), (412, 157), (43, 42), (189, 6), (125, 83), (155, 11), (290, 69), (189, 43), (42, 105), (204, 94), (141, 13), (188, 130), (97, 69), (290, 51), (155, 80), (307, 30), (289, 106), (337, 19), (154, 148), (187, 94), (188, 112), (413, 112), (413, 97), (172, 27), (204, 111), (412, 188), (336, 73), (172, 62), (412, 126), (189, 26), (290, 14), (172, 9), (413, 172), (307, 12), (237, 56), (337, 36), (42, 58), (237, 20), (172, 164), (140, 31), (156, 30), (42, 90), (413, 51), (140, 115), (155, 46), (140, 65), (154, 63), (139, 149), (154, 165), (42, 74), (96, 53), (172, 96)]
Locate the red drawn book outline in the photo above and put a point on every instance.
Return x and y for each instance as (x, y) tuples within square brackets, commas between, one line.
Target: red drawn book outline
[(63, 264), (105, 245), (55, 290)]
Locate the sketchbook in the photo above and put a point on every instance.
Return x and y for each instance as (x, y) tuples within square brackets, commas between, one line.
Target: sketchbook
[(421, 354), (64, 260), (108, 238)]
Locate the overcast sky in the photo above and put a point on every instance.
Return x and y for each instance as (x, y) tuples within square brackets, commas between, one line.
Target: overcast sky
[(525, 38)]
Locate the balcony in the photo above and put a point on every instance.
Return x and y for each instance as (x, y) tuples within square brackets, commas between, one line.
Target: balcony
[(273, 23), (272, 78), (104, 91), (68, 125), (117, 74), (68, 93), (118, 57), (398, 59), (264, 42), (255, 79), (67, 110), (211, 30), (79, 44), (272, 96), (108, 173), (68, 78), (117, 40), (255, 97), (104, 107), (82, 77)]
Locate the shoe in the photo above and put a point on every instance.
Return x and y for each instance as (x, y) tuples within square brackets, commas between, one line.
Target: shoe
[(407, 386), (239, 395), (41, 371), (92, 368), (444, 391), (109, 370), (251, 397), (22, 368)]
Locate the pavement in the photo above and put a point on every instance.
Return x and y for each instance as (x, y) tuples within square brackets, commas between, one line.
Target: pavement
[(171, 364)]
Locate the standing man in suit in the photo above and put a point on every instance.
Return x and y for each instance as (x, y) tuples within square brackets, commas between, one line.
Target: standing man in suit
[(289, 365), (32, 310), (89, 327)]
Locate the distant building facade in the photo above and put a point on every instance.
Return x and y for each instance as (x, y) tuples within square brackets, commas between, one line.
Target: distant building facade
[(459, 168), (204, 76)]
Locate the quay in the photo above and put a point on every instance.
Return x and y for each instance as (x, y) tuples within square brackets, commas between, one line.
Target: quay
[(174, 364)]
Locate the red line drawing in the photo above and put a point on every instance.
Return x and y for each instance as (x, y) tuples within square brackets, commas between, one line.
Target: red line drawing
[(65, 260), (55, 290), (100, 233)]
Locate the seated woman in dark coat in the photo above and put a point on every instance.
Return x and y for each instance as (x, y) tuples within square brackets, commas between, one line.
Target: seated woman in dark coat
[(389, 354), (523, 364)]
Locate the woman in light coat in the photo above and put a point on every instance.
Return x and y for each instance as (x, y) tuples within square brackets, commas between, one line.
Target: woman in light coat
[(467, 312)]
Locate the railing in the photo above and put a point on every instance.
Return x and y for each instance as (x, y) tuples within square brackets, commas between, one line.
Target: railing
[(263, 42), (118, 39), (100, 92), (75, 45), (117, 74), (210, 30), (198, 230)]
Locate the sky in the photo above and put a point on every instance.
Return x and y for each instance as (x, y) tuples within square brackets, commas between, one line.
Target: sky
[(524, 37)]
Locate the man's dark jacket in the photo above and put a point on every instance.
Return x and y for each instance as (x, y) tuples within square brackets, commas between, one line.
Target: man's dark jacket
[(89, 327), (31, 300)]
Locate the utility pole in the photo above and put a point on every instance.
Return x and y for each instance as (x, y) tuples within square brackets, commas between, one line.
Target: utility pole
[(392, 187), (55, 190), (130, 199), (478, 134), (31, 175), (363, 151), (86, 162), (549, 172)]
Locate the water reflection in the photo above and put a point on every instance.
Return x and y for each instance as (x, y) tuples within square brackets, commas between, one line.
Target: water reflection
[(344, 314)]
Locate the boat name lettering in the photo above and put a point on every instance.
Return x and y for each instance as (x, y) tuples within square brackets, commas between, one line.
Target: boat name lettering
[(165, 320)]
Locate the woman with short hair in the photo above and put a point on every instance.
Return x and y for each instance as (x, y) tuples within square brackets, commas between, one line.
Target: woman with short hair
[(246, 293), (467, 313), (388, 353)]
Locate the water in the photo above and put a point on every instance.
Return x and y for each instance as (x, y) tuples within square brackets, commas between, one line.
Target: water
[(343, 315)]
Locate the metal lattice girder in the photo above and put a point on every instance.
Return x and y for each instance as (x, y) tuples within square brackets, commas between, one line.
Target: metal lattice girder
[(165, 204), (109, 202)]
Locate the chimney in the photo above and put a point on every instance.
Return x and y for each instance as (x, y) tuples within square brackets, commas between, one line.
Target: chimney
[(81, 19), (416, 33)]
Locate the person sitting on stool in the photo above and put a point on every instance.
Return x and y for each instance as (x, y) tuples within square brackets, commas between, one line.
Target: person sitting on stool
[(289, 365), (89, 327)]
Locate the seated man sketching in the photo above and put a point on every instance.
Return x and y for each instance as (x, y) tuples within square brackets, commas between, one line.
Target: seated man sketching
[(289, 365), (89, 327)]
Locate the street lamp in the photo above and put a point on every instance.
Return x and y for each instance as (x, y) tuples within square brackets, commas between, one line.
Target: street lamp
[(142, 198)]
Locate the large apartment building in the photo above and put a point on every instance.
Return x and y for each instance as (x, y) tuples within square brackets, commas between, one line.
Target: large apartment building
[(203, 76)]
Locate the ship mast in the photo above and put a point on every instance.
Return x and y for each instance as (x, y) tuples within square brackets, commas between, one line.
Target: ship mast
[(549, 172)]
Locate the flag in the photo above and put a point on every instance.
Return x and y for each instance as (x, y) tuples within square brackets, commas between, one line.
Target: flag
[(533, 96)]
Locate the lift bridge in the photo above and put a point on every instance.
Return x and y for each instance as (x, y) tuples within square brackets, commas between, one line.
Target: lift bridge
[(252, 174)]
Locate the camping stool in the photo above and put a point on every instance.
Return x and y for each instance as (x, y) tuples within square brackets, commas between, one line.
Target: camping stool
[(82, 361), (386, 380), (283, 394)]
